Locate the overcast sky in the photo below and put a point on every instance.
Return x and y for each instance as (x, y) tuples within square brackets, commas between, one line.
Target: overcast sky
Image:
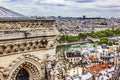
[(90, 8)]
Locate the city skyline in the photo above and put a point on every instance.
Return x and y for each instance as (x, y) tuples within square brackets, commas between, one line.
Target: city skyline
[(69, 8)]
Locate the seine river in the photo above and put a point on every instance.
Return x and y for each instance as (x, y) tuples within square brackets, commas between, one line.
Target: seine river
[(74, 46)]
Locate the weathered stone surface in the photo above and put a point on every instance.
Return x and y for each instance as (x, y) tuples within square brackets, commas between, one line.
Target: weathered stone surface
[(21, 48)]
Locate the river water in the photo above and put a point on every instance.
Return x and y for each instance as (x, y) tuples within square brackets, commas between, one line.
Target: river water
[(75, 46)]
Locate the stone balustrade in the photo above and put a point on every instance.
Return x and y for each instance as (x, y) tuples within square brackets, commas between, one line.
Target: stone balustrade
[(14, 48), (12, 25)]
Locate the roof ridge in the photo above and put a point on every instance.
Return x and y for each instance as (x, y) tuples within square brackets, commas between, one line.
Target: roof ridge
[(4, 12)]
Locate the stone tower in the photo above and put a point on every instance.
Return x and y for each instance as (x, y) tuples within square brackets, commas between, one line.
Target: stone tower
[(25, 45)]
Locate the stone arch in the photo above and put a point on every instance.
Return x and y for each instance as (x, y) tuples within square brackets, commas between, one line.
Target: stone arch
[(32, 66)]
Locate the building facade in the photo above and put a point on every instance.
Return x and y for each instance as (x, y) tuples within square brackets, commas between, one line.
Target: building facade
[(26, 47)]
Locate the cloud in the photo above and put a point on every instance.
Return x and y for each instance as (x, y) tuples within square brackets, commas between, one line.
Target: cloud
[(108, 6), (10, 0), (84, 1), (64, 7), (49, 3)]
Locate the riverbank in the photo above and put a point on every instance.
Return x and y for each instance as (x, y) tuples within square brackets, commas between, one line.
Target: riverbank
[(67, 46), (77, 42)]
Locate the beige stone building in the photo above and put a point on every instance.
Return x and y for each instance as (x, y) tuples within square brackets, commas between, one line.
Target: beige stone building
[(26, 47)]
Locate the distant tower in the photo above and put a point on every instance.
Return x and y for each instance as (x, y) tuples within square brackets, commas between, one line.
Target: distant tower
[(84, 16)]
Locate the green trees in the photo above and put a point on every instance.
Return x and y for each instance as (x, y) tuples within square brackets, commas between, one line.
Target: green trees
[(93, 34), (105, 41), (105, 33), (99, 34), (110, 43), (68, 38), (116, 32), (82, 36), (72, 38), (62, 38), (108, 33)]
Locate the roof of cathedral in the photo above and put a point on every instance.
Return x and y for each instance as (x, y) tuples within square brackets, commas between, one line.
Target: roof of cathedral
[(22, 19), (9, 15), (4, 12)]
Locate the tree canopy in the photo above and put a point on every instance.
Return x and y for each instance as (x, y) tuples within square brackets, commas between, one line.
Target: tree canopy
[(83, 36)]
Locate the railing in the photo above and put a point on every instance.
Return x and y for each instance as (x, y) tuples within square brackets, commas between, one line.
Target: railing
[(15, 48)]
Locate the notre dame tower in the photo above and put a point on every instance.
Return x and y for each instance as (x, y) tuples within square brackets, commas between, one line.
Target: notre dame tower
[(25, 44)]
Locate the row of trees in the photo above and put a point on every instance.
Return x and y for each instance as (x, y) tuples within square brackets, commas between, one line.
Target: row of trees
[(83, 36), (70, 38), (105, 41), (105, 33), (66, 38)]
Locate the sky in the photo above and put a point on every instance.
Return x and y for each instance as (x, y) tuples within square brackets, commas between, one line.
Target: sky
[(68, 8)]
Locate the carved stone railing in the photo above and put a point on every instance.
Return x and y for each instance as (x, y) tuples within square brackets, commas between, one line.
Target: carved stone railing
[(14, 48), (17, 25)]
